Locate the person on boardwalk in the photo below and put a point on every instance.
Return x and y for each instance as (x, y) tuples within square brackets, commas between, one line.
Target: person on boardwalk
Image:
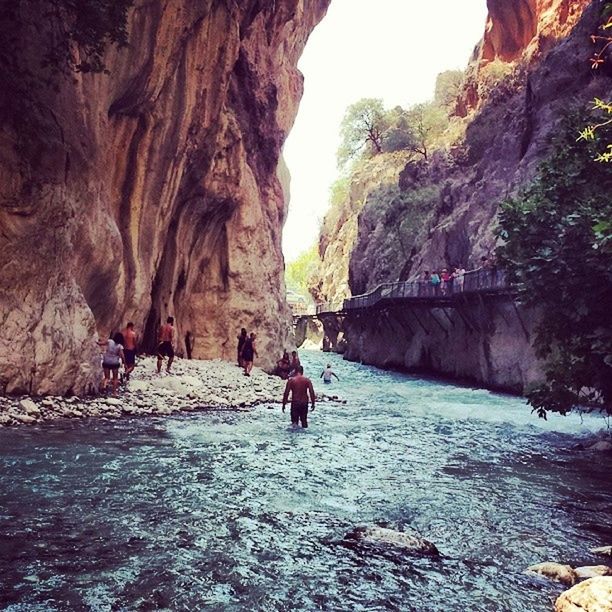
[(249, 350), (129, 349), (241, 340), (327, 374), (111, 360), (299, 387), (165, 348)]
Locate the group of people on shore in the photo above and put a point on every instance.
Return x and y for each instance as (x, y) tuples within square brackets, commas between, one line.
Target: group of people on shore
[(121, 347)]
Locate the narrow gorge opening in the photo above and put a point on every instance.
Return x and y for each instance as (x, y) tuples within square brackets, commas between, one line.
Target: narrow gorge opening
[(392, 52)]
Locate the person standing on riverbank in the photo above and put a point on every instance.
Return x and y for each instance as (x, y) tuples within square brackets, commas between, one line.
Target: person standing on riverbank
[(165, 348), (241, 340), (111, 360), (129, 349), (249, 350), (299, 387), (327, 374)]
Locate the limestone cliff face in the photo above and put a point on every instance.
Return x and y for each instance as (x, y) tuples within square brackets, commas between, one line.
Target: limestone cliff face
[(518, 31), (153, 191), (443, 212)]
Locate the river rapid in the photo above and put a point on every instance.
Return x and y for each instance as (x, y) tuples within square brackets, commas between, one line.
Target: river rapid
[(236, 511)]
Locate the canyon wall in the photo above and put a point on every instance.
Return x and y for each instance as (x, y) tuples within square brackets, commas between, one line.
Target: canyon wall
[(531, 67), (487, 343), (157, 189), (439, 212)]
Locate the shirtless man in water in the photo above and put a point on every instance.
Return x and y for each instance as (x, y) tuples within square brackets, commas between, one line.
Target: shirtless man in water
[(165, 348), (300, 387)]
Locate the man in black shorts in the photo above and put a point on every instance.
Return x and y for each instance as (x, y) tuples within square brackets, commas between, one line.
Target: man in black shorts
[(300, 388), (165, 348)]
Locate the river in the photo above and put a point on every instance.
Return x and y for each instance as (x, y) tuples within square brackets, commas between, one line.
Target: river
[(235, 511)]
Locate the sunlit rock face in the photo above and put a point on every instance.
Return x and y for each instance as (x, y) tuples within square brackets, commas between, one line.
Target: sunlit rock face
[(518, 31), (153, 191)]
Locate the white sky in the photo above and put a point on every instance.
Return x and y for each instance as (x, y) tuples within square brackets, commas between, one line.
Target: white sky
[(389, 49)]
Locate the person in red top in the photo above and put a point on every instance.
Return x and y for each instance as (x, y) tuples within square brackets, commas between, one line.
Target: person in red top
[(165, 348)]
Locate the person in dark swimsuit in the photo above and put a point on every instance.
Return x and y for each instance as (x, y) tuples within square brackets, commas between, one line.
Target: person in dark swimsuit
[(248, 353), (241, 340), (165, 348)]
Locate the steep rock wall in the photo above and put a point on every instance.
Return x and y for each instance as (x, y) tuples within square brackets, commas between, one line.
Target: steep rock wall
[(443, 212), (152, 191), (485, 343)]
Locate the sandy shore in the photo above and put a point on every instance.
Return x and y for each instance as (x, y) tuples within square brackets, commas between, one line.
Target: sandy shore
[(193, 385)]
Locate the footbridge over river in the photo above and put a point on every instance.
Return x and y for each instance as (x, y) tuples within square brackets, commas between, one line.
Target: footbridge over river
[(472, 328), (473, 288)]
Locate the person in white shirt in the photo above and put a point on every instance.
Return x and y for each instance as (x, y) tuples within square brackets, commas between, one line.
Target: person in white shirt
[(111, 360), (327, 374)]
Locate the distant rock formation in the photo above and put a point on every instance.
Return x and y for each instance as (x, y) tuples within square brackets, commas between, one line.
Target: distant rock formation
[(155, 190)]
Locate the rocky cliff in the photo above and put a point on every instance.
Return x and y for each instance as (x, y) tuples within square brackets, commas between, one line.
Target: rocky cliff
[(530, 67), (154, 190)]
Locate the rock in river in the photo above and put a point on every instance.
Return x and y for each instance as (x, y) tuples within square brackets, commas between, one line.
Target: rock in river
[(590, 571), (592, 595), (381, 536), (555, 571)]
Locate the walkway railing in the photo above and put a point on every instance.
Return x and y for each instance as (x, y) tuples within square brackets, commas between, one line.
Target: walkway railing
[(476, 281)]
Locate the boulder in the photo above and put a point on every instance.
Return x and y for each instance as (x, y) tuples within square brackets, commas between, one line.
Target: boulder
[(590, 571), (400, 540), (22, 418), (602, 446), (555, 571), (602, 550), (29, 407), (592, 595)]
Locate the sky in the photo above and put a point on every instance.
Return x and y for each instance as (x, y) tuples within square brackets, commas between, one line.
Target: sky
[(388, 49)]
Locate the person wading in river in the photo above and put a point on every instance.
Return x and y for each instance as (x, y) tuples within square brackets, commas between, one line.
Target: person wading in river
[(165, 348), (300, 388), (327, 374)]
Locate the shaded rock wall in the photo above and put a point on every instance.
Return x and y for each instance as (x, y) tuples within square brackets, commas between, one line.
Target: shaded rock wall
[(307, 329), (488, 343), (152, 191)]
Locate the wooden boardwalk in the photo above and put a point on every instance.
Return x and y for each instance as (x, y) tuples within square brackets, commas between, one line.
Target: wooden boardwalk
[(483, 283)]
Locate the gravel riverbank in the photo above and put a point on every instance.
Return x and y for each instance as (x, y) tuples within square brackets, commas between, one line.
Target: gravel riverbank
[(193, 385)]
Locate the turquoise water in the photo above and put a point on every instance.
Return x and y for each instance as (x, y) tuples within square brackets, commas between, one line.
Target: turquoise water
[(235, 511)]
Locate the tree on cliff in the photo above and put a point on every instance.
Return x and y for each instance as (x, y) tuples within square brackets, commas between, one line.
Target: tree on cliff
[(448, 86), (426, 122), (361, 130), (558, 252)]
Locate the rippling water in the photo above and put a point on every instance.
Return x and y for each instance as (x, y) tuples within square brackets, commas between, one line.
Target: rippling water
[(235, 511)]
